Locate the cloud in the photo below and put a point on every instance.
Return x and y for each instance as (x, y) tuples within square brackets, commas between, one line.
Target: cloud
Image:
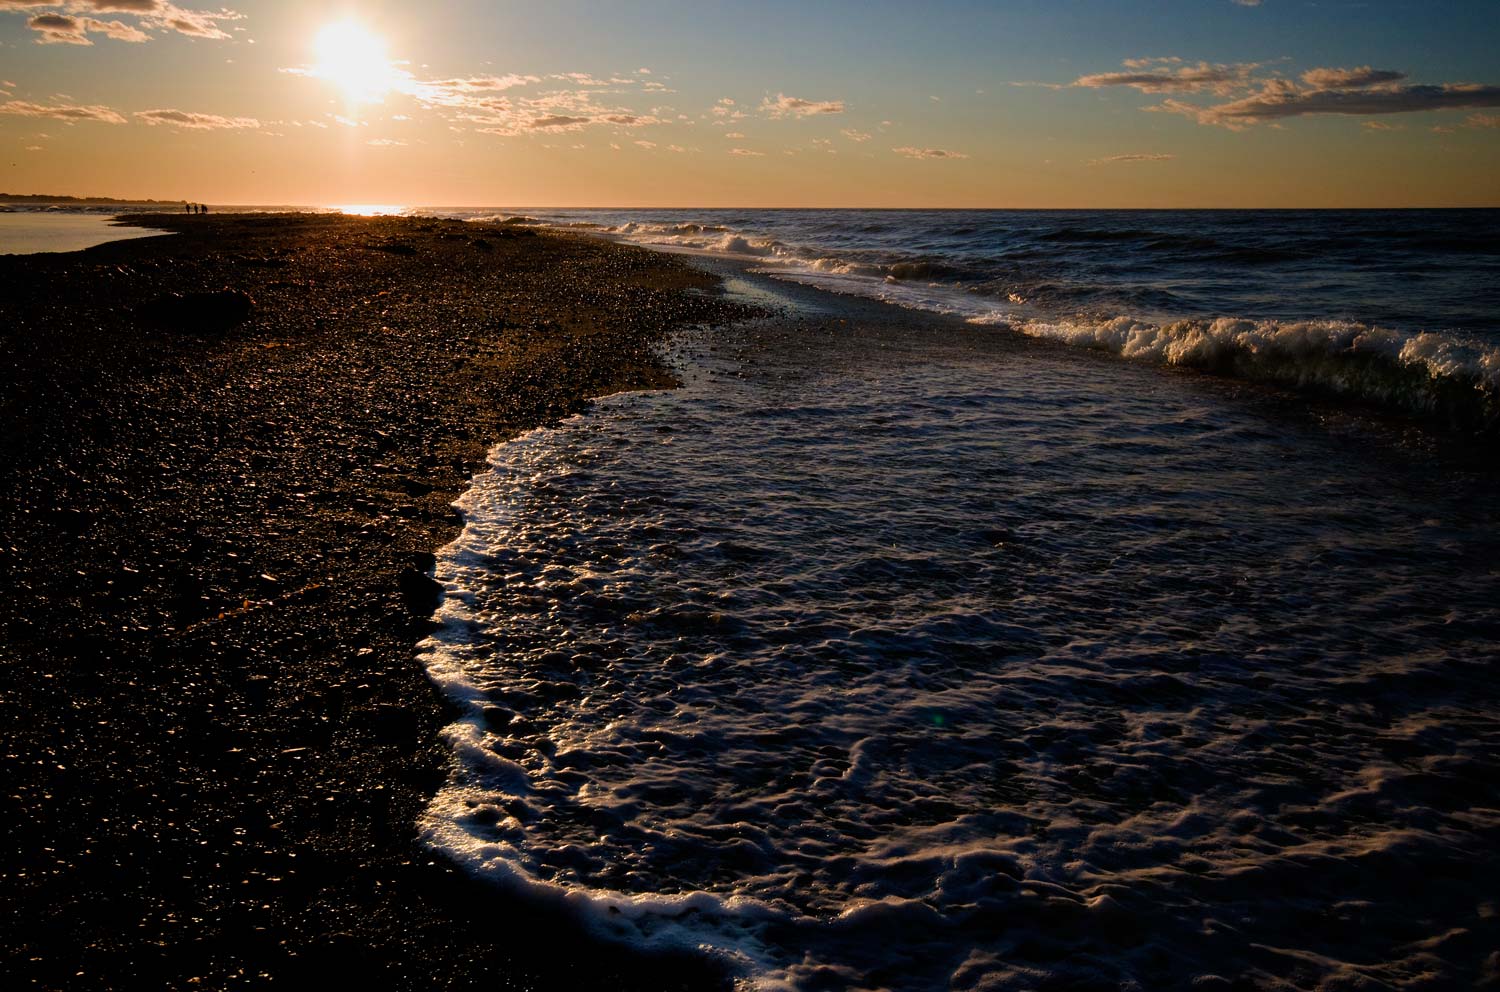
[(731, 134), (1382, 126), (559, 122), (62, 112), (385, 143), (1247, 3), (1279, 99), (127, 6), (854, 135), (61, 29), (197, 23), (581, 79), (1166, 76), (195, 122), (458, 91), (1133, 157), (791, 106), (648, 145), (55, 29), (1482, 121), (486, 105), (927, 153), (747, 153), (1347, 79), (67, 27)]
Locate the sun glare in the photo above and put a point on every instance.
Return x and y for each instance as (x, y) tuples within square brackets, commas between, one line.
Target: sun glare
[(370, 209), (353, 58)]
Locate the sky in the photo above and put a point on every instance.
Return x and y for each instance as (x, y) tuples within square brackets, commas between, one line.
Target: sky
[(659, 103)]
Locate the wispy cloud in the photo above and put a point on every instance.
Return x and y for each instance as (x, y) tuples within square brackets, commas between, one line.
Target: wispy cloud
[(1132, 157), (559, 122), (791, 106), (1166, 76), (1345, 79), (60, 29), (62, 112), (457, 92), (1252, 95), (65, 22), (195, 122), (492, 104), (747, 152), (927, 153), (855, 135), (1280, 99)]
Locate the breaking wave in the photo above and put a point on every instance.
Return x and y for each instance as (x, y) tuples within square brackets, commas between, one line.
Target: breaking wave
[(1392, 309), (1432, 375)]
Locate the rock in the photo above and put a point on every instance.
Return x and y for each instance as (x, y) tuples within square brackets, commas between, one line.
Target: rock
[(391, 723), (419, 591), (218, 311)]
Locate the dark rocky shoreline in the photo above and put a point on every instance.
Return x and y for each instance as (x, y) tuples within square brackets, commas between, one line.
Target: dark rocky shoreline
[(216, 736)]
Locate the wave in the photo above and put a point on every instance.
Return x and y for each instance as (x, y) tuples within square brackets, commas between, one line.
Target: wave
[(1431, 375), (1436, 375)]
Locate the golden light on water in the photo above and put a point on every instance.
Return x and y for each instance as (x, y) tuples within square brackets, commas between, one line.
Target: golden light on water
[(369, 209), (353, 58)]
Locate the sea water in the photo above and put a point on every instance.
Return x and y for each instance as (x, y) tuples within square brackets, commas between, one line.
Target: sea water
[(1395, 308), (917, 654), (32, 231)]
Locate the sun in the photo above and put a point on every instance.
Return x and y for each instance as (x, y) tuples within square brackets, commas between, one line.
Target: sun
[(354, 59)]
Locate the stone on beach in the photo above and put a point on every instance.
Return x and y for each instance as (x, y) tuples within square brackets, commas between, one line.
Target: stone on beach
[(216, 311)]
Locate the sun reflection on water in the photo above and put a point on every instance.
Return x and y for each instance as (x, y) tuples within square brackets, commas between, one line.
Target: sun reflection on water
[(369, 209)]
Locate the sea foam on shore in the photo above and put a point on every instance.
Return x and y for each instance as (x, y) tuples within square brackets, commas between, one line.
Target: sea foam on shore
[(898, 660)]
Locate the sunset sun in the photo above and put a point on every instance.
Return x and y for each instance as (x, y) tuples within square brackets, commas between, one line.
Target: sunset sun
[(353, 58)]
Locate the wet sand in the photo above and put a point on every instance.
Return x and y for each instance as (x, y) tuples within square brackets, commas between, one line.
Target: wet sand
[(216, 519)]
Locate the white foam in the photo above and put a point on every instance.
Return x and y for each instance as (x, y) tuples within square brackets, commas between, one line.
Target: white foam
[(906, 671)]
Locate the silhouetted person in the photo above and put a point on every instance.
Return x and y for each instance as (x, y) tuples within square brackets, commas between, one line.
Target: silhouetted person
[(187, 208), (203, 208)]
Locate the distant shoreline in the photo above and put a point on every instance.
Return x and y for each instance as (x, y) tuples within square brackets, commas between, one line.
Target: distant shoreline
[(84, 200)]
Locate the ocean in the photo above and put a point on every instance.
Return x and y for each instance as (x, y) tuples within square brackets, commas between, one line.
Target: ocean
[(915, 648), (1097, 616), (30, 231)]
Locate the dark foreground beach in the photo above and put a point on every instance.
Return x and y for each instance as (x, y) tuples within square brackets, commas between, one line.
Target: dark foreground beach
[(217, 515)]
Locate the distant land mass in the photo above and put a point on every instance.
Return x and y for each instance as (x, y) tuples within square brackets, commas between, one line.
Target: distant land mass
[(42, 198)]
